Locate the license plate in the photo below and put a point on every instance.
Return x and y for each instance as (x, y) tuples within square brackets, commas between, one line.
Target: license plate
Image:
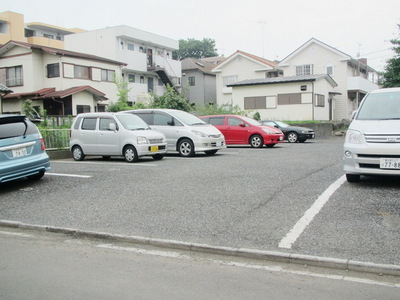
[(390, 163), (19, 152), (153, 148)]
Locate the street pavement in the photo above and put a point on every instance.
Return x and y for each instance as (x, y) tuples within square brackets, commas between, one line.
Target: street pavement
[(239, 198)]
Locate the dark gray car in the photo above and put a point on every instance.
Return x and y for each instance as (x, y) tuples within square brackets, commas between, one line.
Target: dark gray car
[(292, 134)]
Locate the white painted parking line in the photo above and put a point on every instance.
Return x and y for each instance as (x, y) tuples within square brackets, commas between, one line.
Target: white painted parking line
[(288, 241), (68, 175), (15, 234), (122, 163)]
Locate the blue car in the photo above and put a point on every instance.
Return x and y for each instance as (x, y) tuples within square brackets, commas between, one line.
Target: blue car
[(22, 150)]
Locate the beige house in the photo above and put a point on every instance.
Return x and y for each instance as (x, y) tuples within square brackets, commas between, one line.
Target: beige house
[(237, 67), (307, 97), (353, 76), (62, 82)]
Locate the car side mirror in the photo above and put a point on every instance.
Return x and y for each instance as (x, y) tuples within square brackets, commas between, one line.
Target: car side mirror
[(242, 125), (171, 123)]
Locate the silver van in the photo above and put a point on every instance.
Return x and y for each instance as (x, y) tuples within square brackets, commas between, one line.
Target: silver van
[(185, 132), (115, 134), (372, 145)]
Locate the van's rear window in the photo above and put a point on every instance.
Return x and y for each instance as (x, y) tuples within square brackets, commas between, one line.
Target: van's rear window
[(10, 130)]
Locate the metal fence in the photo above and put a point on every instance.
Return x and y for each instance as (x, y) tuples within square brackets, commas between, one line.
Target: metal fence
[(55, 138)]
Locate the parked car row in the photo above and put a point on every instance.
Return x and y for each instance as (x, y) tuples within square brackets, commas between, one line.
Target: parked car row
[(152, 132)]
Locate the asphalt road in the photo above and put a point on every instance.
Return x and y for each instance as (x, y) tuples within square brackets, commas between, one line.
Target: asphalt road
[(241, 197), (41, 265)]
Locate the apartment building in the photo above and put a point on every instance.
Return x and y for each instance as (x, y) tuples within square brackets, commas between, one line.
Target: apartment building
[(149, 65)]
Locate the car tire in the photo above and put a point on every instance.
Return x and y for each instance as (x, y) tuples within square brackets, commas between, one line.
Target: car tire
[(36, 176), (158, 156), (256, 141), (292, 137), (77, 153), (353, 177), (186, 148), (130, 154), (211, 152)]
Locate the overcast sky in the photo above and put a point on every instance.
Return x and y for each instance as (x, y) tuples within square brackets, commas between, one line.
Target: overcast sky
[(268, 28)]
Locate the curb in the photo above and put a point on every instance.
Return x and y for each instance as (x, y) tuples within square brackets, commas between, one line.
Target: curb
[(300, 259)]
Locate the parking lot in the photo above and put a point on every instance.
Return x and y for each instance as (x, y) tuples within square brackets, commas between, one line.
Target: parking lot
[(290, 198)]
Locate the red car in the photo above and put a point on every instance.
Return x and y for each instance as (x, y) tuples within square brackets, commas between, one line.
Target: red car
[(243, 130)]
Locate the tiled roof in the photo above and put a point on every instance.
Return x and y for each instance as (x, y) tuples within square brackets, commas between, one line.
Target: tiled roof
[(60, 52), (4, 89), (197, 64), (51, 93)]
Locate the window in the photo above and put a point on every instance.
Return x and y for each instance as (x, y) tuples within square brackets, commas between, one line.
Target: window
[(235, 122), (82, 109), (304, 70), (141, 49), (49, 36), (286, 99), (217, 120), (107, 75), (141, 79), (53, 70), (192, 81), (131, 47), (255, 102), (89, 123), (320, 100), (161, 119), (105, 124), (131, 77), (12, 76), (229, 79), (330, 70), (81, 72)]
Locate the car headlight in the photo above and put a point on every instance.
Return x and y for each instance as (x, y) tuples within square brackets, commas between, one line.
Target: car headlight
[(199, 133), (354, 137), (269, 131), (142, 140), (303, 131)]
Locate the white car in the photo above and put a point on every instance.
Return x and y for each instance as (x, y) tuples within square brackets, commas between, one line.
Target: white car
[(185, 133), (372, 145), (115, 134)]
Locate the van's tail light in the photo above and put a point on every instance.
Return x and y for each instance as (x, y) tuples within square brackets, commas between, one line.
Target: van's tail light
[(42, 144)]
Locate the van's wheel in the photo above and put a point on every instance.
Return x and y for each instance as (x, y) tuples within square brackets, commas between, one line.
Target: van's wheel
[(130, 154), (353, 177), (77, 153), (186, 148), (256, 141)]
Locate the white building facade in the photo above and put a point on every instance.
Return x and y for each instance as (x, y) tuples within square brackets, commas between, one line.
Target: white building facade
[(148, 57), (60, 81), (353, 76)]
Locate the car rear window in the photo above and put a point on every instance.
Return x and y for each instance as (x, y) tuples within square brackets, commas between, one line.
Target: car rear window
[(14, 129)]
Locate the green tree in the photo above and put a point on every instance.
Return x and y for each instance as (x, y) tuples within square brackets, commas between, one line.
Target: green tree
[(391, 76), (29, 110), (195, 49), (170, 99), (122, 94)]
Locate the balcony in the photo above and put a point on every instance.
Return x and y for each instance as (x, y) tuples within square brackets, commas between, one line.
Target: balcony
[(360, 84)]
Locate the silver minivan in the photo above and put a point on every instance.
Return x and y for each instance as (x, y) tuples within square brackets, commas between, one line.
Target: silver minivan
[(372, 145), (115, 134), (185, 132)]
